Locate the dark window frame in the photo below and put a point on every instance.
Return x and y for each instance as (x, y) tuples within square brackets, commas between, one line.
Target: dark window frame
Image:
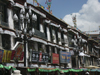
[(6, 41), (3, 10)]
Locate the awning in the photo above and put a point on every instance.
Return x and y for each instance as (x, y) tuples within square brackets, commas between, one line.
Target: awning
[(55, 25), (92, 67), (1, 30), (38, 40), (82, 54), (9, 33)]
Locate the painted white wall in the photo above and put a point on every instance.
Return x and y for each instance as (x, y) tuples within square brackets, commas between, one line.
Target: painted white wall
[(10, 19), (66, 40), (48, 34), (41, 28), (59, 36), (11, 25), (53, 33), (69, 65), (12, 42)]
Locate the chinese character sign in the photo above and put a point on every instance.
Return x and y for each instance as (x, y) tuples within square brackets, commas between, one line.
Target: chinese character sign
[(55, 58), (68, 57), (65, 57)]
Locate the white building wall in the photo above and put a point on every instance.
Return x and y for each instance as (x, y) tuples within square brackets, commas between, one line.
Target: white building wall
[(59, 37), (48, 34), (41, 28), (11, 25), (10, 19), (12, 42), (66, 40), (54, 36)]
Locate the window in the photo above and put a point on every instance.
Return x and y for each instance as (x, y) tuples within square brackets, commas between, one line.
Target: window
[(62, 38), (33, 24), (53, 49), (56, 32), (31, 45), (70, 37), (45, 29), (18, 40), (6, 43), (47, 49), (90, 47), (3, 10), (41, 47)]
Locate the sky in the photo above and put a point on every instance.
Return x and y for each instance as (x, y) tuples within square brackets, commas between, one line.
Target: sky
[(87, 13)]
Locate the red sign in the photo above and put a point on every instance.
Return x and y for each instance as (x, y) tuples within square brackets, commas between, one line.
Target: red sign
[(22, 56), (18, 49), (13, 54), (40, 57), (55, 58)]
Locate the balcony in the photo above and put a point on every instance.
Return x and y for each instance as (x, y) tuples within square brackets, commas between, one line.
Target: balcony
[(2, 22), (40, 34)]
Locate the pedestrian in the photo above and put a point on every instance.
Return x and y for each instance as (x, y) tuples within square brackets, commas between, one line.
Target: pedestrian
[(87, 73)]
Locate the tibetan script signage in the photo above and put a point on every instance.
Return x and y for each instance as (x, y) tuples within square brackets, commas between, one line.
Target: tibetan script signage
[(55, 58), (65, 57)]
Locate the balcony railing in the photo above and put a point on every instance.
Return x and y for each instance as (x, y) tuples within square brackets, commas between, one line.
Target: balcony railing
[(40, 34)]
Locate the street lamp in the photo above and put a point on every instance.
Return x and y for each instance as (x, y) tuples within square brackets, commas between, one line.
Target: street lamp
[(25, 17)]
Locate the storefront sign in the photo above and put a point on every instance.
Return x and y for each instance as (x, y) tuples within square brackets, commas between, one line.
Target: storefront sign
[(1, 55), (35, 56), (65, 57), (55, 58), (22, 56), (39, 57), (13, 54), (18, 49), (4, 59), (9, 56)]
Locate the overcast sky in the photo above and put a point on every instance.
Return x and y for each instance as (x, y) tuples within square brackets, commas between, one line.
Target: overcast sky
[(87, 12)]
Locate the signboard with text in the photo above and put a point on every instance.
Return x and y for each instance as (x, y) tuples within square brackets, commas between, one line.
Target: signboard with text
[(65, 57), (39, 57), (55, 58), (1, 55), (18, 49)]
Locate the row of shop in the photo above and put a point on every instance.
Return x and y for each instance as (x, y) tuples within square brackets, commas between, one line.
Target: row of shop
[(8, 70), (6, 56)]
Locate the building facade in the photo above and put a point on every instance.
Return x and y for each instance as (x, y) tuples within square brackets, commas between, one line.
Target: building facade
[(51, 43)]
